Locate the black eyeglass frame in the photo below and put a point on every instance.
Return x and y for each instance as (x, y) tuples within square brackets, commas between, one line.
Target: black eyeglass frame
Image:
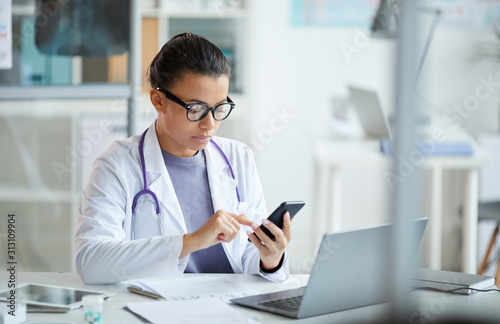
[(178, 101)]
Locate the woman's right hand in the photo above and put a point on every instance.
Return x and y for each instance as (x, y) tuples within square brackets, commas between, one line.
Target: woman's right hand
[(220, 227)]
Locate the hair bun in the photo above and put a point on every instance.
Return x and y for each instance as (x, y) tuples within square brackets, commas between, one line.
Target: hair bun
[(186, 52)]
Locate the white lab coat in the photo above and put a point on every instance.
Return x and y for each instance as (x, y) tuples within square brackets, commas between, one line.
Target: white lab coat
[(104, 250)]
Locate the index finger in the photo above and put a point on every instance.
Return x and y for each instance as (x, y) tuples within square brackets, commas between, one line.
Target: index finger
[(242, 219), (287, 224)]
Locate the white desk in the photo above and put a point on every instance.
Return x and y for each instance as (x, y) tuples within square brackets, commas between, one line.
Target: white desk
[(113, 311), (331, 156), (431, 305)]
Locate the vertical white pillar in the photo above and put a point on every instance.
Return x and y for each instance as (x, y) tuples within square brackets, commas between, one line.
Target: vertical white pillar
[(406, 200), (469, 224), (134, 66), (435, 219)]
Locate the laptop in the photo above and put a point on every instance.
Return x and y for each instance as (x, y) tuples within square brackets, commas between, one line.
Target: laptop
[(370, 113), (350, 271)]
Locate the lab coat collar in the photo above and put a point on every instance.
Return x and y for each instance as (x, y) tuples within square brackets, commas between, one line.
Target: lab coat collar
[(159, 180), (152, 151), (223, 191), (222, 184)]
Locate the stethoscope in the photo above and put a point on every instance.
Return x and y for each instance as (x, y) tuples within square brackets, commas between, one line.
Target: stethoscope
[(153, 195)]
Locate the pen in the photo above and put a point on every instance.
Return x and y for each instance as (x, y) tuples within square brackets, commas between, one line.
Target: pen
[(140, 291)]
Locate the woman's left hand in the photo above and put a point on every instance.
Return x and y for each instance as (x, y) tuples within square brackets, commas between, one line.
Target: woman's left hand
[(271, 251)]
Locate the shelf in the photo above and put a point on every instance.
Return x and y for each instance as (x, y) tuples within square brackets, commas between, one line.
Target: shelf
[(34, 196), (223, 14), (23, 10), (61, 108), (50, 92)]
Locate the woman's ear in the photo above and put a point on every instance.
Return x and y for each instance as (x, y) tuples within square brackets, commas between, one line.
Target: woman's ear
[(156, 99)]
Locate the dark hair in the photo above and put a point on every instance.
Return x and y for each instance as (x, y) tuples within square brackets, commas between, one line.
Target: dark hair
[(186, 53)]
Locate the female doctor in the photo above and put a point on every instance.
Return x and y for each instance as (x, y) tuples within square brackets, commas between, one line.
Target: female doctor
[(177, 198)]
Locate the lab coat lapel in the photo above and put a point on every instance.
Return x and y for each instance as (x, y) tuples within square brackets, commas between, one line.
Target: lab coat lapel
[(223, 191), (159, 180), (222, 185)]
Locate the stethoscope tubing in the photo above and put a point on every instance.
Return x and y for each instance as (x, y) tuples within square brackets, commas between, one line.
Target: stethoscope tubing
[(145, 189)]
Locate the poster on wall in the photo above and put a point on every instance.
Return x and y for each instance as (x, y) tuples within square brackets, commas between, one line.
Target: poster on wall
[(477, 14), (6, 34), (334, 13)]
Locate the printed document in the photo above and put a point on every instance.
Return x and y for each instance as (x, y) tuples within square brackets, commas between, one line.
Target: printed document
[(206, 310)]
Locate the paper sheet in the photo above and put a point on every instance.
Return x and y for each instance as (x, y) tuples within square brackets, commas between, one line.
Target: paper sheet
[(198, 287), (206, 310)]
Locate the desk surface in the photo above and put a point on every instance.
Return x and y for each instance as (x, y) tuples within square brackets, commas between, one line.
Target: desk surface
[(431, 305), (436, 130), (367, 152)]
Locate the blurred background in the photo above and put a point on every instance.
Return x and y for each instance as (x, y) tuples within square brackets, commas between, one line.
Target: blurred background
[(66, 89)]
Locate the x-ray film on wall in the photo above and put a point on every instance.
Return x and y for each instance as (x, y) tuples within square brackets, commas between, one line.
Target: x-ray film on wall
[(91, 28)]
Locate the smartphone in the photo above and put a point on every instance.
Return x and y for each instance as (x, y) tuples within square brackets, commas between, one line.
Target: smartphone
[(276, 216)]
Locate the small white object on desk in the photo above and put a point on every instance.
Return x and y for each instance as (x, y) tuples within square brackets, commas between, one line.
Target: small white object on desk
[(92, 308)]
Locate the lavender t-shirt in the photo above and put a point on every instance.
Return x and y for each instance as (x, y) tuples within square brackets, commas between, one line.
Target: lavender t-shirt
[(190, 180)]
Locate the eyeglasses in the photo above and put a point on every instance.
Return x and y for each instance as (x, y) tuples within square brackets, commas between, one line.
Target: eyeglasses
[(198, 111)]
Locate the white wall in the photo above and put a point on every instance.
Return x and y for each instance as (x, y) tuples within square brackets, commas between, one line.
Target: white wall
[(301, 69), (453, 71)]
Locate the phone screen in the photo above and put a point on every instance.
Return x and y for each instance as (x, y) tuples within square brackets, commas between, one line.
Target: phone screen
[(276, 216)]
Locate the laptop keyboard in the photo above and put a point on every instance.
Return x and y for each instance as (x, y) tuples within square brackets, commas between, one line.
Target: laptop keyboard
[(289, 304)]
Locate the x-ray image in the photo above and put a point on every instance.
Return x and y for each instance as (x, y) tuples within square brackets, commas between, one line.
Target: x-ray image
[(88, 28)]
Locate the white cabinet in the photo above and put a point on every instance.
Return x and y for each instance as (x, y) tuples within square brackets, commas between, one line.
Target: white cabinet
[(48, 148), (41, 202)]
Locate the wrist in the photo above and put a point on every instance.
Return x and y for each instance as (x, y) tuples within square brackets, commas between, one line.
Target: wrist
[(189, 244), (270, 269)]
